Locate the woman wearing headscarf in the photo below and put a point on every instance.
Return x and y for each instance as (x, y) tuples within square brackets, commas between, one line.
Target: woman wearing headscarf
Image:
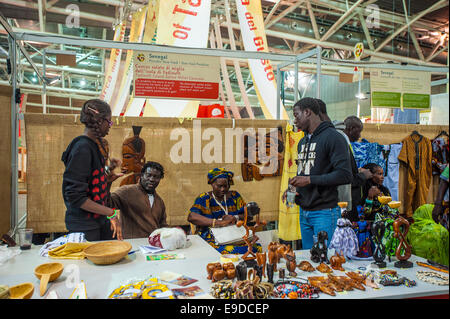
[(219, 207)]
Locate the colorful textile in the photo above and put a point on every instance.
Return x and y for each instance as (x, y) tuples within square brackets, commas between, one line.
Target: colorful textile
[(392, 169), (288, 220), (220, 173), (365, 153), (362, 229), (207, 206), (416, 153), (440, 154)]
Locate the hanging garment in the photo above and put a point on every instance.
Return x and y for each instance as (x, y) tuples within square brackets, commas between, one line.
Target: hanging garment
[(288, 222), (440, 154), (392, 169), (416, 153), (365, 153)]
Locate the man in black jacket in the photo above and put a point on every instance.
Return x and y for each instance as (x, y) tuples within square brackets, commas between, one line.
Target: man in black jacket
[(323, 164)]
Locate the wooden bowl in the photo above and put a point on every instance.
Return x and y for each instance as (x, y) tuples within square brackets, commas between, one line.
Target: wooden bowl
[(47, 272), (4, 292), (107, 252), (22, 291), (384, 199), (342, 204), (394, 204)]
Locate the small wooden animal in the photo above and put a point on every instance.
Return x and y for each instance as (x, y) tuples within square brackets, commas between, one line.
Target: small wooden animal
[(270, 268), (241, 271), (261, 259), (305, 266), (290, 261), (218, 275), (324, 268), (281, 251), (230, 270), (319, 250), (272, 254), (337, 261), (211, 267)]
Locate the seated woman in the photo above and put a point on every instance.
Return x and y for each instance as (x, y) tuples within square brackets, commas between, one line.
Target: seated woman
[(219, 208), (372, 189)]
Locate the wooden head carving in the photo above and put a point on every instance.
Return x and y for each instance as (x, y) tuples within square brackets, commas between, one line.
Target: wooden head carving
[(133, 153)]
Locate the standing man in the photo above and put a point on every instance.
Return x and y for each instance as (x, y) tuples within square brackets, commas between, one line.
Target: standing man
[(323, 164), (352, 193), (141, 209)]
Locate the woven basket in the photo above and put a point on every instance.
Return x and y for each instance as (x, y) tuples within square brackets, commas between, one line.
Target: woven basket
[(107, 252)]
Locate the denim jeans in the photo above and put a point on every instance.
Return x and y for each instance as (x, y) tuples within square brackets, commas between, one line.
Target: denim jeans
[(312, 222)]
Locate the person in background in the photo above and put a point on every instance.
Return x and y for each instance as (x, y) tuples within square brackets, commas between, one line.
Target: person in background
[(87, 175), (352, 193), (441, 204), (322, 166), (142, 210), (372, 189), (323, 111), (219, 207)]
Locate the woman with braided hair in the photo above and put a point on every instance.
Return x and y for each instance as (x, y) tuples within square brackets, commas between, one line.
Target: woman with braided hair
[(87, 177)]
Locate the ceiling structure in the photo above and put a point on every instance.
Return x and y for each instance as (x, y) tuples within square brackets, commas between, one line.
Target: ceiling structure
[(408, 31)]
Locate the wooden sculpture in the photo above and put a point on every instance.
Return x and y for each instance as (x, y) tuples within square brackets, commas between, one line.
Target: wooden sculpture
[(319, 250), (290, 261), (211, 267), (306, 266), (272, 255), (230, 270), (133, 157), (401, 227), (261, 260), (324, 268), (250, 255), (336, 261)]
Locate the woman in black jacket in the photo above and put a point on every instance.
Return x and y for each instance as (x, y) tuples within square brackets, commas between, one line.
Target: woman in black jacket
[(86, 177)]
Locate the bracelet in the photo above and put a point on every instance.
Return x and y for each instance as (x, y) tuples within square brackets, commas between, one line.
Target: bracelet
[(107, 171), (113, 215), (369, 202), (432, 277), (213, 223)]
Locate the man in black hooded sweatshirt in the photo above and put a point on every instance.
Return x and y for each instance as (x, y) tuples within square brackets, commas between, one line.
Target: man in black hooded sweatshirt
[(323, 164)]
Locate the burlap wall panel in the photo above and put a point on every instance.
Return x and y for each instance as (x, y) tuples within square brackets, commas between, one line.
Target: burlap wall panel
[(5, 163), (48, 136)]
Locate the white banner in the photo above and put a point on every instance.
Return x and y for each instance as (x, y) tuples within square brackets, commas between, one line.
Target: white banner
[(254, 38)]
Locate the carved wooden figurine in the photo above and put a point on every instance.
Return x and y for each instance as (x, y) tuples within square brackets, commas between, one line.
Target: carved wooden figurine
[(319, 250), (336, 262), (261, 259), (272, 255), (230, 270), (306, 266), (290, 261), (211, 267)]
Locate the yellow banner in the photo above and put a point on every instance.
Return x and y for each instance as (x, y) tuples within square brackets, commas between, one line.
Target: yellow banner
[(254, 37), (289, 219), (113, 67)]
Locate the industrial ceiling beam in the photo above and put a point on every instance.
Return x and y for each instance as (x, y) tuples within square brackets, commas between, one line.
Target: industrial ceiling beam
[(434, 7), (284, 13), (312, 17), (341, 21)]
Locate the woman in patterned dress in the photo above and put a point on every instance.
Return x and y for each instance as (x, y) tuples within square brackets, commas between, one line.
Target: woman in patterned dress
[(219, 208)]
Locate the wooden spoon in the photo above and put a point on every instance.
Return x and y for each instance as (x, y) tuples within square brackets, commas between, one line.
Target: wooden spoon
[(46, 273), (22, 291)]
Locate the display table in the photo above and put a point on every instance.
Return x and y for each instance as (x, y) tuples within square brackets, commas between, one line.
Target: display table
[(102, 280)]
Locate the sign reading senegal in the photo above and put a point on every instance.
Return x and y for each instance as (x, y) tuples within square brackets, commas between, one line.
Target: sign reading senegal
[(400, 89), (176, 76)]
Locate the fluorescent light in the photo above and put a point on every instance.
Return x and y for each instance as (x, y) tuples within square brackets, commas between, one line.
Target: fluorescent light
[(82, 82)]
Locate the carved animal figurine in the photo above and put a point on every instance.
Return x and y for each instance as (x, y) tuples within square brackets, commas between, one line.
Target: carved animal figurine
[(282, 274), (319, 250), (259, 270), (211, 267), (261, 259), (272, 254), (230, 270), (337, 261), (241, 271), (281, 250), (324, 268), (218, 275), (270, 271), (290, 261), (306, 266)]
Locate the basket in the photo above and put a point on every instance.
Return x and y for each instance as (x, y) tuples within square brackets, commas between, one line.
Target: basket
[(107, 252)]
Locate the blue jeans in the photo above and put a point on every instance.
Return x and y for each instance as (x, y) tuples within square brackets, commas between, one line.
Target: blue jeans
[(312, 222)]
